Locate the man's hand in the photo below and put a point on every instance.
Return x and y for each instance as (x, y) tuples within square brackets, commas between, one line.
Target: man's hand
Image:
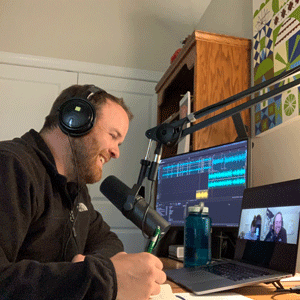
[(78, 258), (138, 275)]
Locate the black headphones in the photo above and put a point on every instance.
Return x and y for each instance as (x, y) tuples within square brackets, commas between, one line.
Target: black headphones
[(77, 115)]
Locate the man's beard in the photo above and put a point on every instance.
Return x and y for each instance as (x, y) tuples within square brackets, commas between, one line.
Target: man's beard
[(82, 168)]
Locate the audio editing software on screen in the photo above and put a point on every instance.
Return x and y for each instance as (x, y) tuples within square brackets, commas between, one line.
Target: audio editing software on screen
[(216, 176)]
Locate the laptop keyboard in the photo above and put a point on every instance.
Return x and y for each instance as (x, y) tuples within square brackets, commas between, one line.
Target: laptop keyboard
[(235, 272)]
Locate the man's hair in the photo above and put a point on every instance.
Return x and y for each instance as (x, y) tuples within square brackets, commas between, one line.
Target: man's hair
[(253, 223), (81, 91)]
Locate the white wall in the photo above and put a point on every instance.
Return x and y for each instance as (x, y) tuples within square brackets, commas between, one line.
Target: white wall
[(137, 34), (275, 154), (231, 17)]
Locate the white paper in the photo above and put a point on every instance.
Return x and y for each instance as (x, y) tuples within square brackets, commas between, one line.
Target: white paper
[(214, 296), (166, 294)]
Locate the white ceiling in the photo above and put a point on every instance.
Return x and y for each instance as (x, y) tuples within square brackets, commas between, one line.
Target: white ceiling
[(188, 12)]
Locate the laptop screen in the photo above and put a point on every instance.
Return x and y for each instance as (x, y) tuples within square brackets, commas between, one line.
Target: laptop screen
[(269, 226)]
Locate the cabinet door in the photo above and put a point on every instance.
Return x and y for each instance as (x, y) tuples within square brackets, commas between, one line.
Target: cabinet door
[(27, 95), (138, 95), (222, 70)]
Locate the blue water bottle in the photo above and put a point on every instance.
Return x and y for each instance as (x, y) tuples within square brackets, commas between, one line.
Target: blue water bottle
[(197, 236)]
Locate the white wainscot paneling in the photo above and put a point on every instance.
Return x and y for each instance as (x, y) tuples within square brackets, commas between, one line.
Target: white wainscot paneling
[(27, 95)]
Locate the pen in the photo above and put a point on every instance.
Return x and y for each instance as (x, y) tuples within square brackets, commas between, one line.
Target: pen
[(154, 239)]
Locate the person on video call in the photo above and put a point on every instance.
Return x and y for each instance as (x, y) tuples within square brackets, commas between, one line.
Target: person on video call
[(53, 244), (251, 235), (277, 233)]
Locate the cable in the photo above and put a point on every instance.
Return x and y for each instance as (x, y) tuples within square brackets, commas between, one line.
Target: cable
[(72, 215), (281, 290), (146, 211), (75, 161), (286, 291), (145, 216)]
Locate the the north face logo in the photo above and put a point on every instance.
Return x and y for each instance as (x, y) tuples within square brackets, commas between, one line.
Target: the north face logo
[(81, 207)]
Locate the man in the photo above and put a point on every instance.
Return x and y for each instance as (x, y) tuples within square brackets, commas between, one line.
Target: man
[(53, 244), (277, 233)]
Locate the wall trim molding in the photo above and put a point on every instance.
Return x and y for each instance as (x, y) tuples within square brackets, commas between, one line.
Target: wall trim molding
[(78, 66)]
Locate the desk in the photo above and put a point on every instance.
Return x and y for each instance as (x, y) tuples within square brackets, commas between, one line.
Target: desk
[(256, 292)]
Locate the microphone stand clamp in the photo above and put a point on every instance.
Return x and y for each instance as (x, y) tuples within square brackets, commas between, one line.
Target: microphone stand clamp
[(131, 199)]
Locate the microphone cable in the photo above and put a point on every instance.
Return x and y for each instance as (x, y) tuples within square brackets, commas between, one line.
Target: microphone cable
[(161, 233)]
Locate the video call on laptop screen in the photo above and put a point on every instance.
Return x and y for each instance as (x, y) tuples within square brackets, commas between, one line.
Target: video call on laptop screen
[(269, 226)]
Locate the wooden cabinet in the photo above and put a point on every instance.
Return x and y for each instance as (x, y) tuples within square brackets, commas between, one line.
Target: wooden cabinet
[(212, 67)]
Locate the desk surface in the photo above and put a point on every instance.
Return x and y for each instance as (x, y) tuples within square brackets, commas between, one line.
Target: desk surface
[(256, 292)]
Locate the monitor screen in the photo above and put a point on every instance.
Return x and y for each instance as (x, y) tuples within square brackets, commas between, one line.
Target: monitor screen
[(216, 176)]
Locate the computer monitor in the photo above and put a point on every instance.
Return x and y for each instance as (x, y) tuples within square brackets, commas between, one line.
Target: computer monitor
[(216, 176)]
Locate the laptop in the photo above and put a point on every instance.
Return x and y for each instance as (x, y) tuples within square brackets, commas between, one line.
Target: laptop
[(266, 248)]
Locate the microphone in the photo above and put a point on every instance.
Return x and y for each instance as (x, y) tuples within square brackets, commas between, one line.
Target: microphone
[(133, 206)]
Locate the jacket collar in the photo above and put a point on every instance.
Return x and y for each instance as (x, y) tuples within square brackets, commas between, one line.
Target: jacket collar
[(34, 139), (36, 142)]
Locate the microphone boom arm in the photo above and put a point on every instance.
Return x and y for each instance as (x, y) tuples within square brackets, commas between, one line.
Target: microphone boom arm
[(169, 133), (239, 108)]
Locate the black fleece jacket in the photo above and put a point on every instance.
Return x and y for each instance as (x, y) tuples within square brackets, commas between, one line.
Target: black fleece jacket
[(44, 223)]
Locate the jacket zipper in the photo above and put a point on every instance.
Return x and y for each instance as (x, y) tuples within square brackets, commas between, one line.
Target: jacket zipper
[(72, 219)]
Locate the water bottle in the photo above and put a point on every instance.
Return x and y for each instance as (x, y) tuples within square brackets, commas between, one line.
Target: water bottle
[(197, 236)]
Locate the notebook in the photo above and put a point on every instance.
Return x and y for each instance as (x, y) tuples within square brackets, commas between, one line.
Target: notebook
[(266, 248), (165, 293)]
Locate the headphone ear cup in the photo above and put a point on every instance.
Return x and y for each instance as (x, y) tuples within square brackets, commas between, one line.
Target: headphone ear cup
[(76, 117)]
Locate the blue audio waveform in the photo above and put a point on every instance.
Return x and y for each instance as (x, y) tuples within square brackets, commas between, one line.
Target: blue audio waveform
[(206, 164), (234, 158), (228, 182), (229, 173)]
